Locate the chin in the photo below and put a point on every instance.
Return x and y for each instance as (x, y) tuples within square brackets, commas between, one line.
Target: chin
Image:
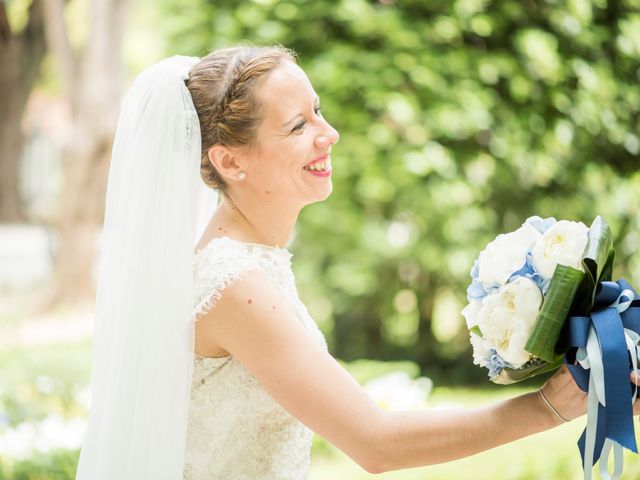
[(321, 196)]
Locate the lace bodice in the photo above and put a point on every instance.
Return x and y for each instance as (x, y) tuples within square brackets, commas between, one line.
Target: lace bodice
[(235, 429)]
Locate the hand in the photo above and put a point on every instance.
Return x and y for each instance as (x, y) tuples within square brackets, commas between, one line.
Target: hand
[(566, 397)]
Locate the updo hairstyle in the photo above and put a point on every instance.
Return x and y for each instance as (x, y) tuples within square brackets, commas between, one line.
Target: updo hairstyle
[(223, 93)]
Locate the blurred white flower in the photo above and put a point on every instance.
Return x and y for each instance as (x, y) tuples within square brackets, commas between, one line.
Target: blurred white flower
[(51, 433), (82, 397), (45, 384), (507, 319), (397, 391), (506, 254), (17, 443), (56, 432), (563, 244)]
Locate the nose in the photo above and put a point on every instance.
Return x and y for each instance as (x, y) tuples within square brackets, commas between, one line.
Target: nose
[(327, 136)]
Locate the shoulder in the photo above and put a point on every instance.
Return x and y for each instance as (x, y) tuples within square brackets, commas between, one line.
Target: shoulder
[(251, 313), (251, 291), (217, 266)]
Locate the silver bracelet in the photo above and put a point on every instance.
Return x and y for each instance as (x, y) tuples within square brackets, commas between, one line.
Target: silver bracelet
[(556, 412)]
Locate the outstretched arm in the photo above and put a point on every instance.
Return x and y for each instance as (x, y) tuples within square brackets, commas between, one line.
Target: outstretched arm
[(253, 321)]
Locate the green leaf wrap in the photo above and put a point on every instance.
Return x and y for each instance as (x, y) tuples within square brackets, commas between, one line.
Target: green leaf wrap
[(598, 265), (508, 375), (557, 303)]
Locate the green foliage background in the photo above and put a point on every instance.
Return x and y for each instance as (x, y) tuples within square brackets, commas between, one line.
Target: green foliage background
[(458, 120)]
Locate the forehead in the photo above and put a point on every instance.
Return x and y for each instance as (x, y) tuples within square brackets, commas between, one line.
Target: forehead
[(285, 92)]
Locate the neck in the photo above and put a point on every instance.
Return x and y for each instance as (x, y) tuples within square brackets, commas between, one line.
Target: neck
[(268, 223)]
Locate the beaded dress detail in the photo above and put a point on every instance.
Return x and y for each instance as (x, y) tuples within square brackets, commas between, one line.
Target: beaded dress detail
[(235, 430)]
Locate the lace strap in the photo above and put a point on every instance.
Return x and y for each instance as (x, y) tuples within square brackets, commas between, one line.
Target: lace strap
[(217, 266), (215, 289)]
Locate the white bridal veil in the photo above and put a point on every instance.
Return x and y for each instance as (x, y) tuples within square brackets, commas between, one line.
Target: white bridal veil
[(156, 208)]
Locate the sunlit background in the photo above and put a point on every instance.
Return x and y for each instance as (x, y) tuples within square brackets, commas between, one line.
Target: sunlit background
[(458, 120)]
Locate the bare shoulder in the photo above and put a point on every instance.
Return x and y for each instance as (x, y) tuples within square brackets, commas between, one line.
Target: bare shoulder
[(250, 311)]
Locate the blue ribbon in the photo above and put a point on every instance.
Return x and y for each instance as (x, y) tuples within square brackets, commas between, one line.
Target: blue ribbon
[(612, 313)]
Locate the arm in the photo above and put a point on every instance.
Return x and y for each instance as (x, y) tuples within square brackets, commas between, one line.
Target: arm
[(253, 321)]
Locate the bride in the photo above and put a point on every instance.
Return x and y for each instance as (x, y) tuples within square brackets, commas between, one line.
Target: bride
[(206, 364)]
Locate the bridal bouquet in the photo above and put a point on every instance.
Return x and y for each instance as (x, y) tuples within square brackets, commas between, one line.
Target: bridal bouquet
[(542, 296), (512, 289)]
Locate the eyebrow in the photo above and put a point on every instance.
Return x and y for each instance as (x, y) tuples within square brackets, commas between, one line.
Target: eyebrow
[(316, 101)]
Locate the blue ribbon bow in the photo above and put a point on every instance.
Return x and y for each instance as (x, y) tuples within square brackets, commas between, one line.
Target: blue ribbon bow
[(616, 308)]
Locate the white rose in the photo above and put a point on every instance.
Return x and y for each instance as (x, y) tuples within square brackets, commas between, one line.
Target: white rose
[(481, 350), (470, 313), (562, 244), (506, 254), (508, 317)]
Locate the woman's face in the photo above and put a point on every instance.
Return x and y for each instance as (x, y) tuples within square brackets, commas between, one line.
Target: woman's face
[(291, 159)]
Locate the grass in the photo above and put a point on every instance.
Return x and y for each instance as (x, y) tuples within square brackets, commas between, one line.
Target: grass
[(45, 379), (550, 455)]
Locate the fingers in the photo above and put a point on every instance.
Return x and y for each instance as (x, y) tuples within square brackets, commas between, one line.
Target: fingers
[(635, 378)]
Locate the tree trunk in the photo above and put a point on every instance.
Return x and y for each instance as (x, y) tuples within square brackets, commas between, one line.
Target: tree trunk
[(11, 143), (94, 85), (426, 350), (85, 169), (20, 57)]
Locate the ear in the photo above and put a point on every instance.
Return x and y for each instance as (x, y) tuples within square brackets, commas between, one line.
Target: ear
[(226, 162)]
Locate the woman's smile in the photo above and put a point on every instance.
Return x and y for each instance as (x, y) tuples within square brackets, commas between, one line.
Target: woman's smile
[(320, 167)]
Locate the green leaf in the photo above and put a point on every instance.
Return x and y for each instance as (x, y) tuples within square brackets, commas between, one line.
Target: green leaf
[(508, 376), (476, 329), (599, 250), (598, 265), (556, 306)]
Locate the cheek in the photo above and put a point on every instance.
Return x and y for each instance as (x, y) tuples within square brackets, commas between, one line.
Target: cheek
[(279, 165), (277, 170)]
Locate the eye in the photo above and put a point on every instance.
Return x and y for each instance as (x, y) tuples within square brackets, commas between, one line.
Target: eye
[(298, 126), (302, 123)]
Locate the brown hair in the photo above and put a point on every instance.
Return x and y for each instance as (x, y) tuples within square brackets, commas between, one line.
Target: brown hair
[(221, 86)]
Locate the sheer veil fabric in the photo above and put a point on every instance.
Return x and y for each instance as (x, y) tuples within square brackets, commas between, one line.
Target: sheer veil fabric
[(156, 208)]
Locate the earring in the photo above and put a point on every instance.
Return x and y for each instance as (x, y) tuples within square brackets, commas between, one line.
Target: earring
[(241, 176)]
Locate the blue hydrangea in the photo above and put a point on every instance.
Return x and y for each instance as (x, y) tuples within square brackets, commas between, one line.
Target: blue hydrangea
[(496, 364), (540, 224), (529, 271), (477, 290)]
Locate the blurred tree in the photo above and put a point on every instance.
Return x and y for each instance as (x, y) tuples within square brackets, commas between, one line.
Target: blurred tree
[(92, 81), (21, 51), (458, 119)]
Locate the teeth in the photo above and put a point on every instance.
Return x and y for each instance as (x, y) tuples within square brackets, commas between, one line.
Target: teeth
[(320, 166)]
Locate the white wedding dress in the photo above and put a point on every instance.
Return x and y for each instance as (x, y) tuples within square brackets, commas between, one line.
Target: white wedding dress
[(236, 430)]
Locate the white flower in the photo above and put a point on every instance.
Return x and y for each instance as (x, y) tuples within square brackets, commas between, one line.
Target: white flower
[(506, 254), (508, 317), (563, 244), (481, 350), (53, 432), (397, 391), (470, 313)]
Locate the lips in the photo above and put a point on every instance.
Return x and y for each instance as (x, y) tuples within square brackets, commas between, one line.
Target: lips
[(320, 167)]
